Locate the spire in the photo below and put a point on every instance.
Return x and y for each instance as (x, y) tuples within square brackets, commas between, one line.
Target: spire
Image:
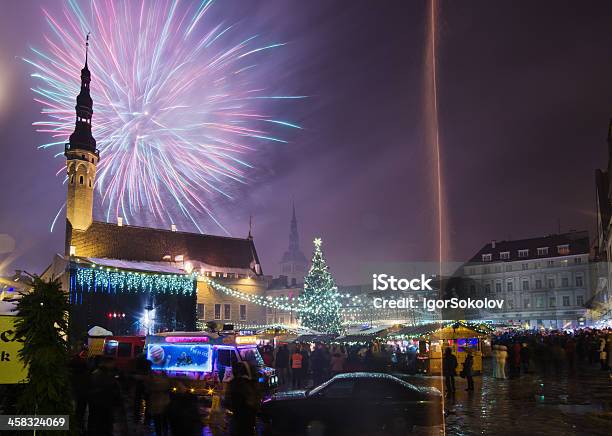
[(294, 239), (81, 138), (293, 253), (250, 227)]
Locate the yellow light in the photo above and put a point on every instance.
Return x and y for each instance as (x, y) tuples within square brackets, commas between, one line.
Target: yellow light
[(243, 340)]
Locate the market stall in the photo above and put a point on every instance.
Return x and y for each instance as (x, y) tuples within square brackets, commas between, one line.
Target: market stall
[(431, 339)]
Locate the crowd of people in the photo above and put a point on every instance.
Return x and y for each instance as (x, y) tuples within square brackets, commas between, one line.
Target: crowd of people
[(549, 352), (302, 365), (101, 394)]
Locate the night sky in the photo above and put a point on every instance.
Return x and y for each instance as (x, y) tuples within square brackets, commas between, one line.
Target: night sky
[(525, 97)]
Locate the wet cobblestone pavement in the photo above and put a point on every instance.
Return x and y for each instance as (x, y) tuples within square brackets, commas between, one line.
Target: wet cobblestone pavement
[(529, 405)]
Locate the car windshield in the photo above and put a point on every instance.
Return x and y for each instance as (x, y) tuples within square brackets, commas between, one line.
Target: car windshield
[(251, 355)]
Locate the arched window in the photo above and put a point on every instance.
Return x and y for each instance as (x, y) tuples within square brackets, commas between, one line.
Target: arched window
[(81, 180)]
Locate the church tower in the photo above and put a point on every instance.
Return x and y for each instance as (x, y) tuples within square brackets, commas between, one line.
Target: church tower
[(81, 158), (294, 263)]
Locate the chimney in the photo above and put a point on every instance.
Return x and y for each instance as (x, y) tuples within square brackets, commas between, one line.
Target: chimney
[(173, 227), (493, 243), (120, 221)]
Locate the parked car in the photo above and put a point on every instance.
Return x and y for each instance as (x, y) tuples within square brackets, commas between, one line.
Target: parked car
[(355, 403)]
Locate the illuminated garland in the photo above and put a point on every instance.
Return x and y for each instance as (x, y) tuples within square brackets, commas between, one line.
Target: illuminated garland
[(101, 279), (281, 303)]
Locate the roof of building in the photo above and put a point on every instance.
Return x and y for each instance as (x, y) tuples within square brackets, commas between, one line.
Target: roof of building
[(578, 243), (106, 240)]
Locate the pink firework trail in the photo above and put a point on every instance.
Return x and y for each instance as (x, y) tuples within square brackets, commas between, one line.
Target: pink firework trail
[(177, 103)]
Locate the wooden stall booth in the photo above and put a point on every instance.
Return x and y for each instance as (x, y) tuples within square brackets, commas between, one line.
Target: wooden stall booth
[(432, 339)]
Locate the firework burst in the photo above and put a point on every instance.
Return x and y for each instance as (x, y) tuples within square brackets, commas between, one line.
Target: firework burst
[(178, 103)]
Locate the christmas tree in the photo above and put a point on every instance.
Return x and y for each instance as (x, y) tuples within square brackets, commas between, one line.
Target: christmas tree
[(320, 301)]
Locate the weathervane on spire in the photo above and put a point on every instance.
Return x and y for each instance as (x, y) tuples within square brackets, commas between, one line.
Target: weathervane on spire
[(87, 46)]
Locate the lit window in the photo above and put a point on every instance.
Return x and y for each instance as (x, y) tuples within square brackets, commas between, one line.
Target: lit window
[(563, 249)]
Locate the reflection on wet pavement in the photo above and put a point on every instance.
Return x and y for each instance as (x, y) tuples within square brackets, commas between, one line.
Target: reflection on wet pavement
[(529, 405)]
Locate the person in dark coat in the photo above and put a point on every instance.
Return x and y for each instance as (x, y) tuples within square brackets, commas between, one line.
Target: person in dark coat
[(282, 365), (467, 370), (243, 400), (104, 397), (80, 388), (525, 356), (449, 368)]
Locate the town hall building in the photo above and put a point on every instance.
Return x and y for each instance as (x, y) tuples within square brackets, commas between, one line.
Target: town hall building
[(132, 279)]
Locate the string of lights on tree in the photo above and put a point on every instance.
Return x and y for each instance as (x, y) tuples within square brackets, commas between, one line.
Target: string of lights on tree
[(320, 297), (96, 278)]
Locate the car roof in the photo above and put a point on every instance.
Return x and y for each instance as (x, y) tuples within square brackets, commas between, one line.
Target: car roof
[(377, 375)]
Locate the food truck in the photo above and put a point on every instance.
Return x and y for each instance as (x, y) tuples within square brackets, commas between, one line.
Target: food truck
[(430, 341), (204, 360)]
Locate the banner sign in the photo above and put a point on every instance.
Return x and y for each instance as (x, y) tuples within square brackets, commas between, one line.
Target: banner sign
[(180, 357), (12, 370)]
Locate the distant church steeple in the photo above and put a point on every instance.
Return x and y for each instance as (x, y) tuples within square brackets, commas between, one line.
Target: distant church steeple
[(81, 157), (293, 264)]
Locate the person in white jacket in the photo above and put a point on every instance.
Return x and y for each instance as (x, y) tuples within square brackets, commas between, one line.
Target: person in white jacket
[(495, 353)]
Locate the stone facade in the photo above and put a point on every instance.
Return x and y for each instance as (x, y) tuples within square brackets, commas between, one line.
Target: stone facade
[(544, 282)]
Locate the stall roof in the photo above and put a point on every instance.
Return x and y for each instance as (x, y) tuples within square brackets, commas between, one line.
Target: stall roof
[(443, 330), (315, 338)]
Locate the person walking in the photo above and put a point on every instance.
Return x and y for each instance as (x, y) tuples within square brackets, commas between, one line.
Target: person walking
[(158, 390), (243, 399), (570, 356), (449, 367), (282, 365), (337, 363), (525, 356), (502, 355), (603, 354), (297, 368), (467, 370), (495, 355)]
